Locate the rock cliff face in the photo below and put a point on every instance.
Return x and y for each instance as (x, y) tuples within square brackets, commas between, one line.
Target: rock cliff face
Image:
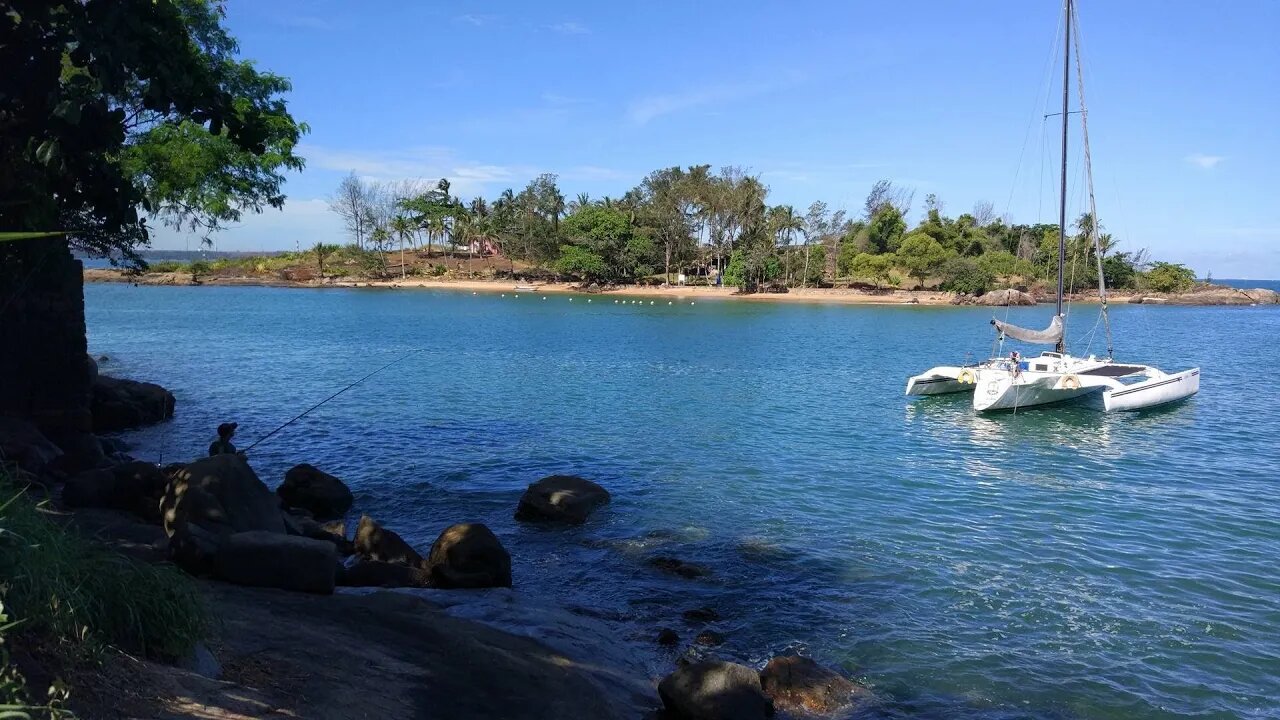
[(46, 374)]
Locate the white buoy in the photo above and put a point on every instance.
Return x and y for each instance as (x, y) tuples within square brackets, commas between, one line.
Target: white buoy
[(504, 294), (650, 302), (544, 297), (473, 292), (615, 302), (691, 303), (668, 302), (588, 299), (570, 299), (517, 294)]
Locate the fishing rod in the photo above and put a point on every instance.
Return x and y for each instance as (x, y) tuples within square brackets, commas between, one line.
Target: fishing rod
[(322, 402)]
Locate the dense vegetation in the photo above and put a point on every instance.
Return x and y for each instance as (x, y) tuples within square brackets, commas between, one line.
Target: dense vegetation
[(719, 226), (70, 601), (109, 107)]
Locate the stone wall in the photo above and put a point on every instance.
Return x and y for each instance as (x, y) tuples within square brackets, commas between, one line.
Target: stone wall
[(45, 372)]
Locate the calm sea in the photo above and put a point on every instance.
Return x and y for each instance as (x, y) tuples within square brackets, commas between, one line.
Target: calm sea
[(1050, 564)]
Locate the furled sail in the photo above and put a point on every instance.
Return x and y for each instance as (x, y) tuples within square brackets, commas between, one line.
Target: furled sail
[(1049, 336)]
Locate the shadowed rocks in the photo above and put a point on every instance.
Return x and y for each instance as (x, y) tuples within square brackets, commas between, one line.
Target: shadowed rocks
[(118, 404), (714, 690), (469, 555), (268, 559), (319, 493), (799, 683), (373, 542), (211, 499), (560, 498)]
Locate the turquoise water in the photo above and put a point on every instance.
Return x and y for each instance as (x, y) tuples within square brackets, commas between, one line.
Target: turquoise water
[(1049, 564)]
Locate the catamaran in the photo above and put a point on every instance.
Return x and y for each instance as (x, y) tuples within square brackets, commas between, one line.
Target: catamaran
[(1009, 383)]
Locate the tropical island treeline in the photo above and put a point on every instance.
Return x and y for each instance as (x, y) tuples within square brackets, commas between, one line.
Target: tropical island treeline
[(709, 225)]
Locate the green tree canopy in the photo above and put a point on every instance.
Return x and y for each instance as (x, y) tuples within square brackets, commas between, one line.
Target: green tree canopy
[(921, 255)]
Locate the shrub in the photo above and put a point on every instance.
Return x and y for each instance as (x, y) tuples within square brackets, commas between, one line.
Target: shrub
[(166, 266), (965, 275), (1170, 277)]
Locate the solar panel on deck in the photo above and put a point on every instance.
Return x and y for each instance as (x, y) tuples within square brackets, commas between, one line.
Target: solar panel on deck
[(1114, 370)]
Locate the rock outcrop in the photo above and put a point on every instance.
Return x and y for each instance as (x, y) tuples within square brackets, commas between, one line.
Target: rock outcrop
[(305, 526), (135, 487), (274, 560), (679, 567), (1005, 297), (469, 555), (210, 499), (22, 444), (714, 690), (373, 542), (319, 493), (118, 404), (374, 573), (562, 498), (799, 683)]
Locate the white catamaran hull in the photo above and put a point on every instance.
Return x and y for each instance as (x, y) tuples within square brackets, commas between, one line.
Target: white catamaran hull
[(1150, 393), (942, 380), (1054, 378)]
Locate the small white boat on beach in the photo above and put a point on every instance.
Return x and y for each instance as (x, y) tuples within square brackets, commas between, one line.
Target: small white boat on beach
[(526, 288), (1009, 383)]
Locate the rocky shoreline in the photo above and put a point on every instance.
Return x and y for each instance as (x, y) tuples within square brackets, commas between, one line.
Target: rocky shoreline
[(1210, 295), (436, 633)]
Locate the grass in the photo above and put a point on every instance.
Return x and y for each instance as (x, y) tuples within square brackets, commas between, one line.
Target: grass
[(74, 599)]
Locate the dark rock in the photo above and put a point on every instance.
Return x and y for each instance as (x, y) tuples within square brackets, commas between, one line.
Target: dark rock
[(563, 498), (668, 637), (323, 495), (117, 404), (713, 690), (679, 567), (111, 446), (799, 683), (373, 573), (709, 638), (469, 555), (91, 488), (210, 499), (80, 451), (138, 488), (304, 526), (275, 560), (373, 542), (702, 614), (25, 446)]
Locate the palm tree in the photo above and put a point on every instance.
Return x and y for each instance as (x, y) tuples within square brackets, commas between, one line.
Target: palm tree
[(323, 250), (402, 226), (583, 200)]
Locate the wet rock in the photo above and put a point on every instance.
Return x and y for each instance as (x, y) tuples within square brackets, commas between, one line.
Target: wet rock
[(561, 498), (118, 404), (675, 566), (469, 555), (25, 446), (374, 573), (210, 499), (305, 526), (1005, 297), (709, 638), (275, 560), (373, 542), (668, 637), (80, 451), (323, 495), (701, 615), (799, 683), (714, 690)]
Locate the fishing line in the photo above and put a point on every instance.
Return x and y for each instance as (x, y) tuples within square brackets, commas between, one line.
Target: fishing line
[(322, 402)]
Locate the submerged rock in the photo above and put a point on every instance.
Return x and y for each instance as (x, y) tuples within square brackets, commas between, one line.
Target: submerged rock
[(709, 638), (668, 637), (274, 560), (714, 690), (469, 555), (702, 614), (679, 567), (319, 493), (563, 498), (210, 499), (373, 542), (799, 683)]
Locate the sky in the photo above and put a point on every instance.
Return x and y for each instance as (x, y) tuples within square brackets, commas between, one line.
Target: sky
[(819, 98)]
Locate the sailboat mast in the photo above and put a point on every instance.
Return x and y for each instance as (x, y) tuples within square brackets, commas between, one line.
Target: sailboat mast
[(1062, 206)]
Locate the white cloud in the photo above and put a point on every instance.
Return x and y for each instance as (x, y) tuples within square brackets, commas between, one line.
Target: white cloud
[(426, 163), (301, 224), (645, 109), (1204, 162), (570, 28), (476, 19)]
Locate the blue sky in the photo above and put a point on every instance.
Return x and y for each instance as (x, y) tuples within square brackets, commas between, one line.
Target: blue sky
[(820, 98)]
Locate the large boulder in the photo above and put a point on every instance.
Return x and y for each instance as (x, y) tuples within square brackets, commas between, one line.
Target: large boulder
[(210, 499), (565, 498), (135, 487), (304, 526), (714, 690), (374, 542), (80, 451), (1005, 297), (469, 555), (798, 683), (22, 444), (319, 493), (117, 404), (266, 559), (374, 573)]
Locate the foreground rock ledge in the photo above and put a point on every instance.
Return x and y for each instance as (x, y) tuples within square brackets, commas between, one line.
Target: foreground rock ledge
[(714, 690)]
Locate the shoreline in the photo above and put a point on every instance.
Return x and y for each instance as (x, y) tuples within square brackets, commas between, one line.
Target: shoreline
[(1213, 295)]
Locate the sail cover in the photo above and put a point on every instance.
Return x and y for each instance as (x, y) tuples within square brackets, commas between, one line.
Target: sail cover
[(1049, 336)]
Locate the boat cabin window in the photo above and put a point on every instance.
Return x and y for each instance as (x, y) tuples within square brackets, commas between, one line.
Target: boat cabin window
[(1042, 368), (1051, 355)]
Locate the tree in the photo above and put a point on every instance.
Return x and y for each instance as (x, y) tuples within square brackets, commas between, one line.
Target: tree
[(351, 203), (1170, 277), (921, 255), (322, 251), (112, 107), (885, 230), (581, 262), (402, 227), (877, 268), (965, 275)]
